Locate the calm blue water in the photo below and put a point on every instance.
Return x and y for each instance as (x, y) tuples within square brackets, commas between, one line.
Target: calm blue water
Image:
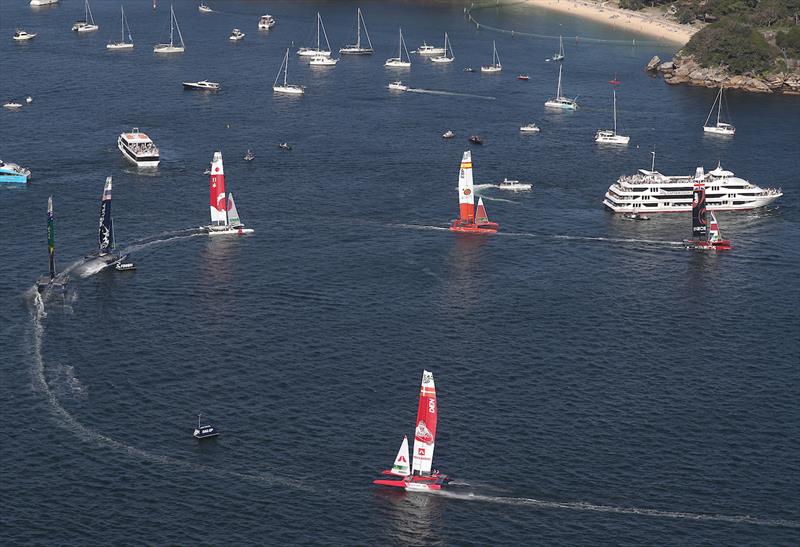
[(598, 383)]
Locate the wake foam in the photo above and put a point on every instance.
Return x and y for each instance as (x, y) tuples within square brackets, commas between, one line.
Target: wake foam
[(449, 93)]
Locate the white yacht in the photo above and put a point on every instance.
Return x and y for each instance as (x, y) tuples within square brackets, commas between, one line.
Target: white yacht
[(427, 49), (447, 56), (559, 56), (290, 89), (608, 136), (37, 3), (495, 67), (560, 101), (172, 47), (358, 48), (322, 60), (236, 35), (12, 105), (22, 35), (514, 185), (719, 128), (202, 85), (138, 148), (122, 44), (399, 62), (397, 86), (530, 128), (87, 23), (317, 51), (651, 192), (203, 8), (266, 22)]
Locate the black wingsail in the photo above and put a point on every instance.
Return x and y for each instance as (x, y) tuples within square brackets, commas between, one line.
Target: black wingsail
[(51, 237), (699, 224), (106, 228)]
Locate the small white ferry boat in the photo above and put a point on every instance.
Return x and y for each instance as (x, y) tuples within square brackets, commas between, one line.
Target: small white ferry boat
[(87, 23), (514, 185), (649, 191), (22, 35), (529, 128), (138, 148), (266, 22), (202, 85), (560, 101), (236, 35), (397, 86)]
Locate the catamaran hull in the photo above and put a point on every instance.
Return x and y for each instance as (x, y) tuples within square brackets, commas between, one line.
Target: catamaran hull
[(471, 228), (416, 483), (226, 231), (721, 245)]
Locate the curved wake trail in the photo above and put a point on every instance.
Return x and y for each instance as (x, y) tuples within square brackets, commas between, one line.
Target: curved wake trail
[(68, 421), (585, 506), (450, 93)]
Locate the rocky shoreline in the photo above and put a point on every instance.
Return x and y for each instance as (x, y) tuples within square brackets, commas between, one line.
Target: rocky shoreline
[(685, 70)]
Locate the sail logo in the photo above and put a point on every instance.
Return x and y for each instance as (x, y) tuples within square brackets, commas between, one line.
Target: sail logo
[(421, 451), (422, 433), (401, 459), (467, 191), (432, 406)]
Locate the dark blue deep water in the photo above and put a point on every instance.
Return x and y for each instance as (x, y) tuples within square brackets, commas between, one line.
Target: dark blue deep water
[(598, 383)]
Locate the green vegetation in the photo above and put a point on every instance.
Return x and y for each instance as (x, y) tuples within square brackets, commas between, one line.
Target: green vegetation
[(734, 44), (789, 41)]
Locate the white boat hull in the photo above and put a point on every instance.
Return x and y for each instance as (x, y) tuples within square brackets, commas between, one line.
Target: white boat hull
[(613, 139), (396, 63), (37, 3), (228, 230), (166, 48), (515, 187), (560, 105), (323, 61), (309, 52), (288, 89), (491, 69), (431, 51), (529, 129), (25, 37), (726, 131), (131, 157), (442, 59), (123, 45)]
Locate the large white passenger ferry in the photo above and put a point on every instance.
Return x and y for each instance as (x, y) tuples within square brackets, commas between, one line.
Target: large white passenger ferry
[(138, 148), (652, 192)]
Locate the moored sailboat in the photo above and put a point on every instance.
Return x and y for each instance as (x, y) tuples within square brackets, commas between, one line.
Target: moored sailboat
[(606, 136), (171, 47), (317, 51), (703, 238), (290, 89), (122, 44), (720, 128), (560, 101), (420, 476), (447, 56), (398, 62), (471, 220), (495, 67), (51, 281), (358, 48), (224, 215), (559, 56), (87, 23)]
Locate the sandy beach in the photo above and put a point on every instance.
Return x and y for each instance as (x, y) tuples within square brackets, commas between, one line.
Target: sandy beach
[(650, 22)]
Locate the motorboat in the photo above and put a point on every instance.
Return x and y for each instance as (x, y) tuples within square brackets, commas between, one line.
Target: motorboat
[(29, 99), (559, 55), (12, 105), (203, 8), (523, 77), (202, 85), (249, 156), (138, 148), (287, 88), (610, 136), (171, 47), (358, 48), (420, 475), (397, 86), (448, 134), (317, 51), (471, 219), (236, 35), (12, 172), (649, 191), (475, 139), (284, 146), (529, 128), (122, 44), (719, 128), (266, 22), (22, 35), (495, 67), (469, 69), (53, 280), (514, 185), (206, 431), (38, 3), (399, 62), (224, 215), (634, 216), (447, 56), (87, 23), (427, 49), (705, 236), (560, 101), (322, 60)]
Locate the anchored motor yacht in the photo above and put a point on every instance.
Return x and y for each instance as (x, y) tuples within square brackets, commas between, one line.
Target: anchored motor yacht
[(138, 148), (649, 191), (202, 85), (427, 49), (11, 172), (266, 22), (22, 35), (236, 35), (514, 185)]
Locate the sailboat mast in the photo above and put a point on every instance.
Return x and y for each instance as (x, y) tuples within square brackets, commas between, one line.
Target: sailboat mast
[(558, 90), (653, 163), (285, 66), (358, 29), (318, 21), (719, 108), (615, 112), (171, 19), (51, 237)]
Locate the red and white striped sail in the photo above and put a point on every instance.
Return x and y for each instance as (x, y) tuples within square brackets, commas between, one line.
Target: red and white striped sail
[(425, 432), (216, 187), (480, 213), (401, 465), (466, 195)]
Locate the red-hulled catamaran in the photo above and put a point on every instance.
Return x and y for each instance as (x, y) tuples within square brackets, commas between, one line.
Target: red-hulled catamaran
[(420, 476), (224, 216), (470, 220), (704, 237)]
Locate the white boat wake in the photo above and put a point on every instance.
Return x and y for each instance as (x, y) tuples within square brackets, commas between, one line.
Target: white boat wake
[(586, 506), (449, 93), (38, 315)]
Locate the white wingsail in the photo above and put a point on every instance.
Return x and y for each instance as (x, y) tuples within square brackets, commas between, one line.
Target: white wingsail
[(400, 466), (233, 214)]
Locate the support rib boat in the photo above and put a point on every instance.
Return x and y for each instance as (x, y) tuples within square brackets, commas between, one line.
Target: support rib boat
[(420, 477)]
